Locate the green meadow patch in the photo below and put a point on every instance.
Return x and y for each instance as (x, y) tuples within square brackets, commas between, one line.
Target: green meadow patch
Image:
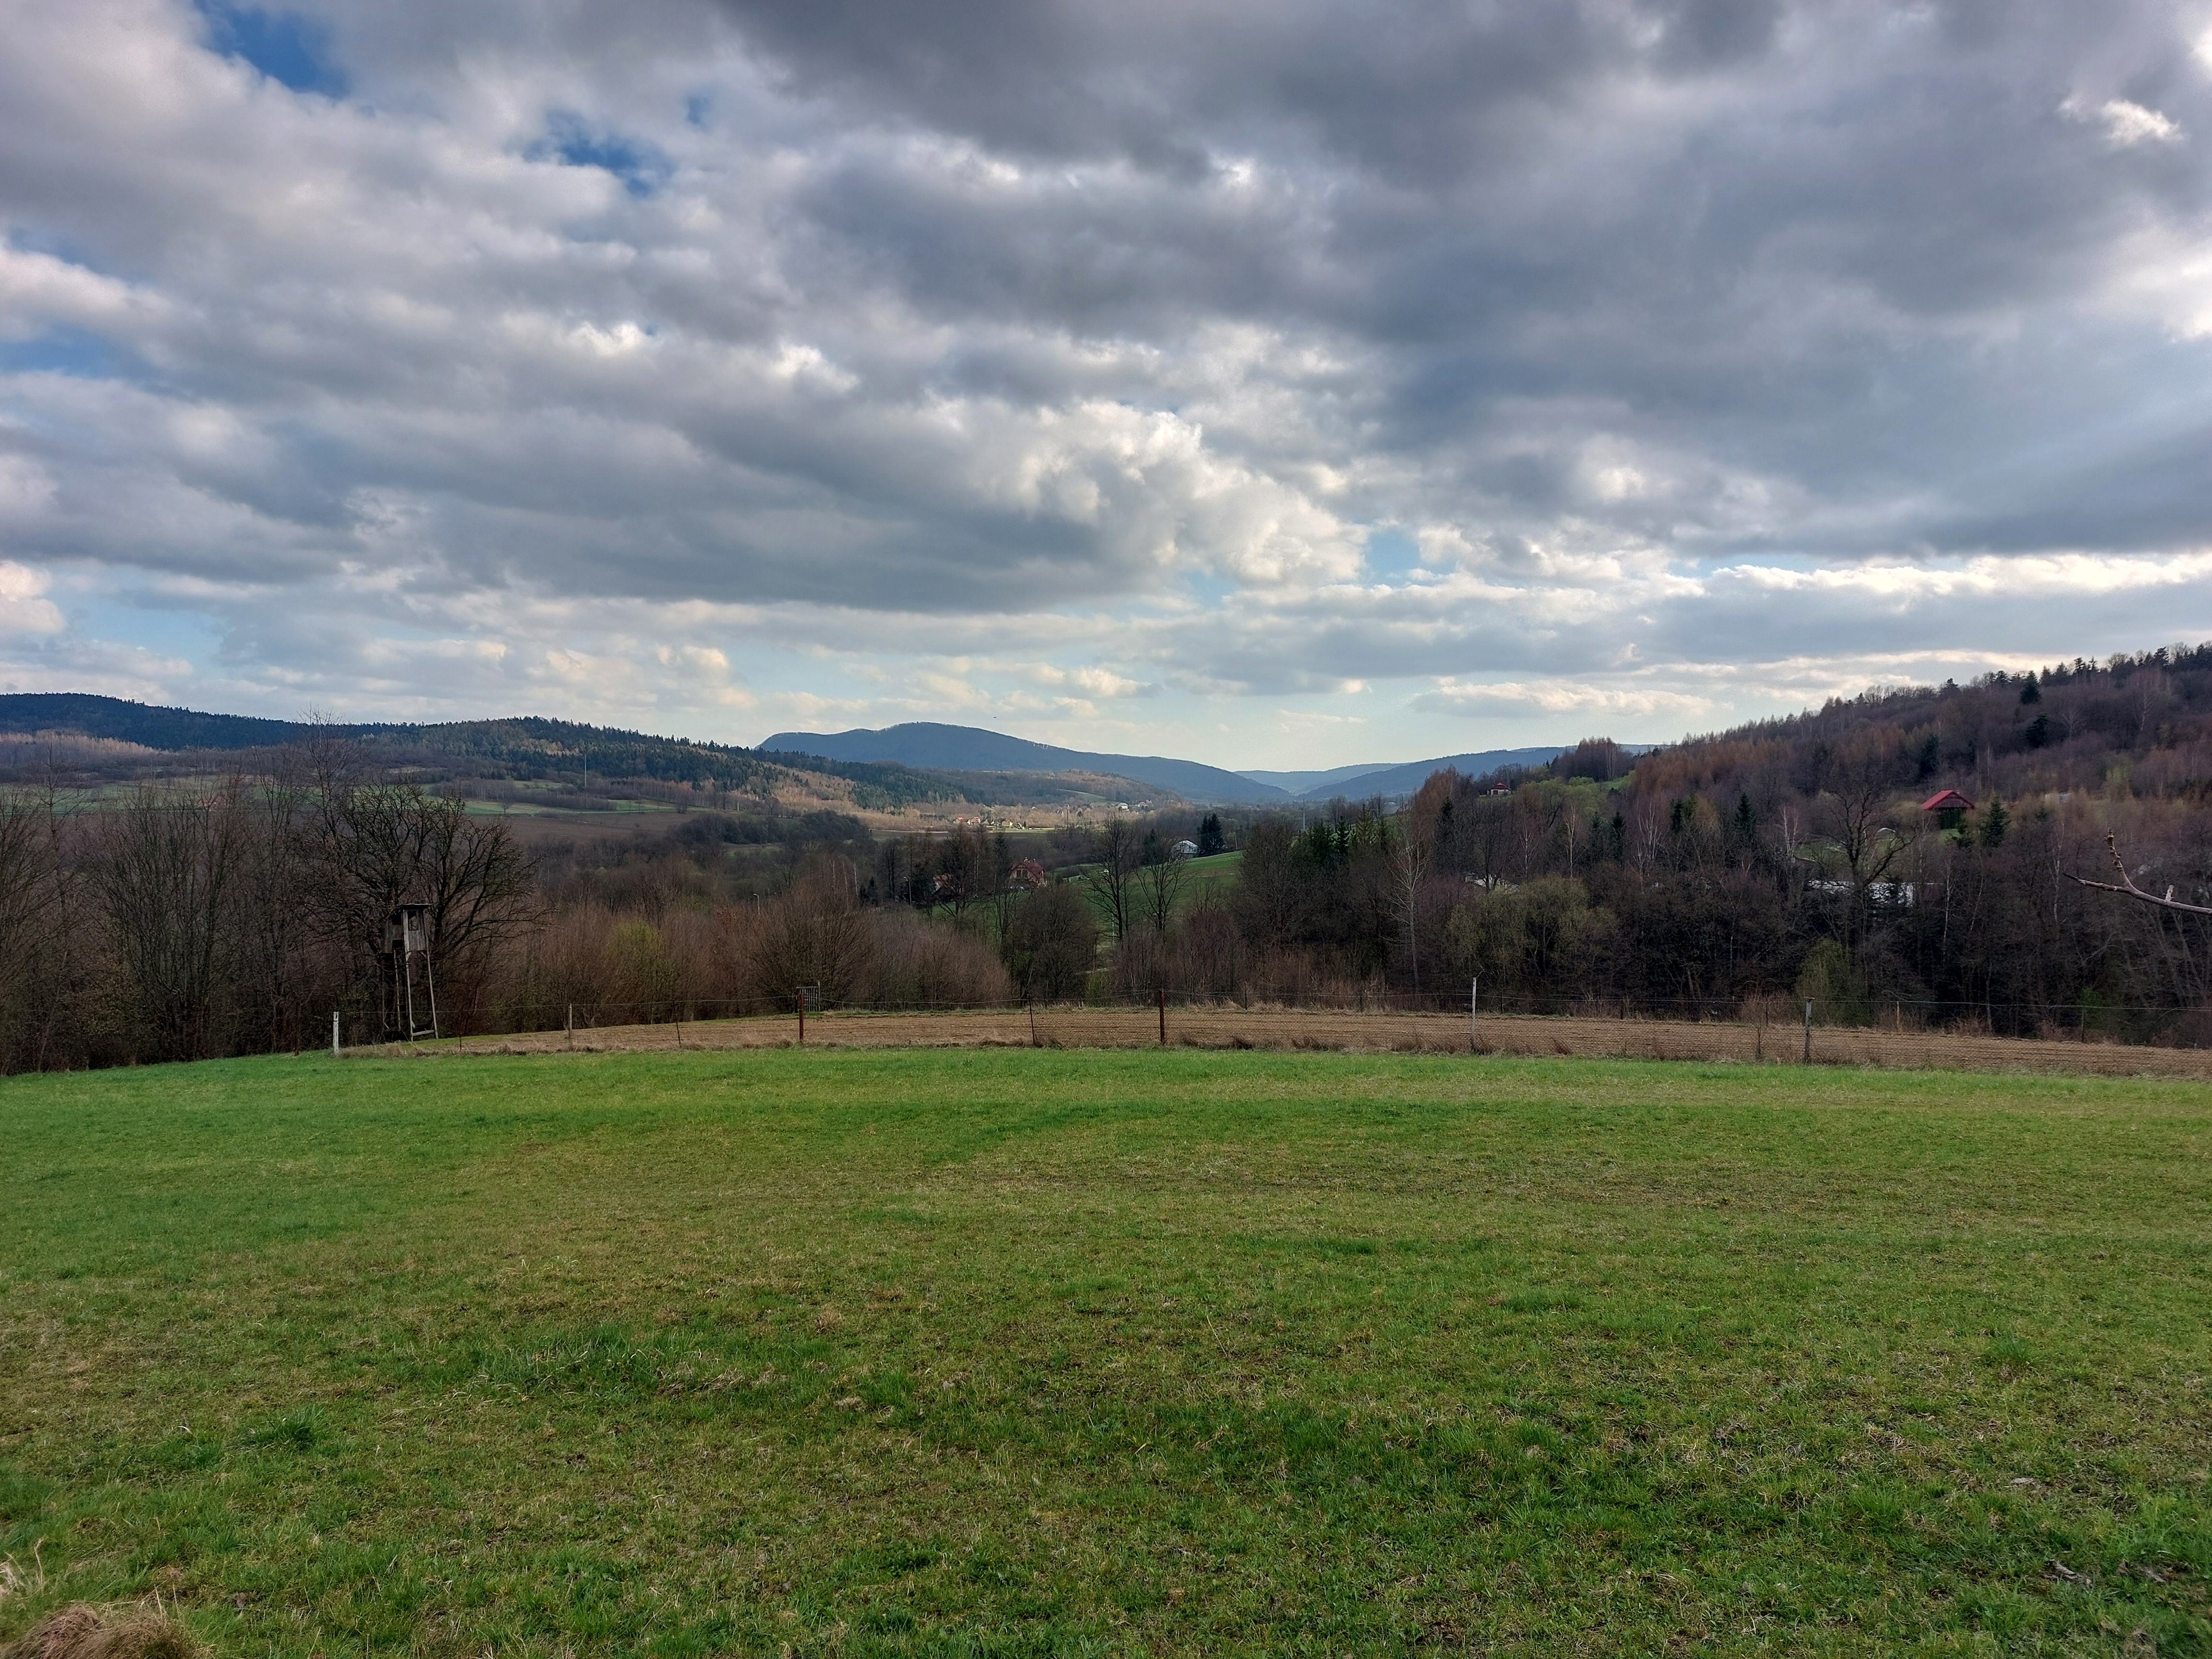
[(1047, 1352)]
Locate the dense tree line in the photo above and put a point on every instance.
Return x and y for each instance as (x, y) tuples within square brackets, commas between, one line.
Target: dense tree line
[(180, 923), (1748, 871)]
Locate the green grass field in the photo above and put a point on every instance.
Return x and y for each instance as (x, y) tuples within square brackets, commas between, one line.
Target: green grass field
[(1213, 878), (1210, 879), (1066, 1352)]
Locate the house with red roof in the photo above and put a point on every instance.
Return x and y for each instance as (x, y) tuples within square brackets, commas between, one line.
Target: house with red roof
[(1949, 806)]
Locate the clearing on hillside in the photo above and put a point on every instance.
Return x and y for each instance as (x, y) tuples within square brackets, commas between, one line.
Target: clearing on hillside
[(1037, 1352)]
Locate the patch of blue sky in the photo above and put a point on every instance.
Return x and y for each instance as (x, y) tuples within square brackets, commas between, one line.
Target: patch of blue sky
[(72, 351), (1392, 553), (289, 49), (697, 108), (151, 623), (1210, 589), (642, 167), (58, 244)]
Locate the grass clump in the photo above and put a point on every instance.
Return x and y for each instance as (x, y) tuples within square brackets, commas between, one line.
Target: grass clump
[(1010, 1352), (81, 1630)]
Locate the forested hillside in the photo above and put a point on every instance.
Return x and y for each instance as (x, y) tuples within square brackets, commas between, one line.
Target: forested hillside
[(2131, 727), (1793, 857)]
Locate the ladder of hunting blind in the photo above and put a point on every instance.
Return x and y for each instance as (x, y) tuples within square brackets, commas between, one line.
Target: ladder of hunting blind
[(421, 1014), (406, 944)]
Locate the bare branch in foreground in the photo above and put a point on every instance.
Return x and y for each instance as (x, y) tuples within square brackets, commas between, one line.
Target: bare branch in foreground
[(2126, 885)]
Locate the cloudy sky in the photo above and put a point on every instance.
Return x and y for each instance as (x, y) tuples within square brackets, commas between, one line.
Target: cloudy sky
[(1276, 382)]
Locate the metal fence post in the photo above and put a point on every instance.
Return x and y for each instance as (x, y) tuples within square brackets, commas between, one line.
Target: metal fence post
[(1473, 1030), (1160, 994), (334, 1034), (1809, 1031)]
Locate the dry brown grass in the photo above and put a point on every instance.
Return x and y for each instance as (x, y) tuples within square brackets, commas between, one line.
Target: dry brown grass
[(1268, 1028), (81, 1631)]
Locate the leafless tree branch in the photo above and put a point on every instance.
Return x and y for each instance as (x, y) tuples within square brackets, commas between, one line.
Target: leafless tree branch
[(2126, 885)]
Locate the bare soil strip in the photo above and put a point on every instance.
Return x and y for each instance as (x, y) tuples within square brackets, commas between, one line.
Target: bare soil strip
[(1374, 1033)]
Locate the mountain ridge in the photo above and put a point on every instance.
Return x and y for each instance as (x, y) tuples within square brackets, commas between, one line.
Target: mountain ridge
[(525, 746), (935, 746), (1304, 783), (1394, 778), (909, 764)]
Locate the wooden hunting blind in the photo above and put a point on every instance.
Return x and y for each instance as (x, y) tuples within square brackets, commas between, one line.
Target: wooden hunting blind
[(411, 989)]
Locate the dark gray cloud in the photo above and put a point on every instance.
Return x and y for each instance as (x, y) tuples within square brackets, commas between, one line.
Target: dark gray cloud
[(1404, 93)]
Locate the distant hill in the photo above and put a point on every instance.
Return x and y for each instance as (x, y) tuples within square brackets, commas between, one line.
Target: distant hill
[(151, 727), (1304, 783), (897, 766), (926, 744), (1393, 779), (528, 747), (970, 750)]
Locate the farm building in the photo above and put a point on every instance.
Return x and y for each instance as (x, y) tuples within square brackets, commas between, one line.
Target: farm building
[(1948, 806)]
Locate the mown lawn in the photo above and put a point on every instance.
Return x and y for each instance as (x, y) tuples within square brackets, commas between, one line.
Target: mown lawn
[(1063, 1352)]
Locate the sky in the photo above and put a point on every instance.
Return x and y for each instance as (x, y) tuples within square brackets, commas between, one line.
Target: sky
[(1277, 383)]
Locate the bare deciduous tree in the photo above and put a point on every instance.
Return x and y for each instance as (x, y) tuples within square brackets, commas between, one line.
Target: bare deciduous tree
[(167, 865), (368, 847), (813, 935), (1269, 893), (1863, 783), (270, 938), (1053, 943), (1411, 855), (1111, 888), (1159, 891), (37, 955)]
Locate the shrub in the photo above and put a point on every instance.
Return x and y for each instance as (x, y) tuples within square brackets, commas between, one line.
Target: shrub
[(917, 962), (814, 934), (1052, 943)]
